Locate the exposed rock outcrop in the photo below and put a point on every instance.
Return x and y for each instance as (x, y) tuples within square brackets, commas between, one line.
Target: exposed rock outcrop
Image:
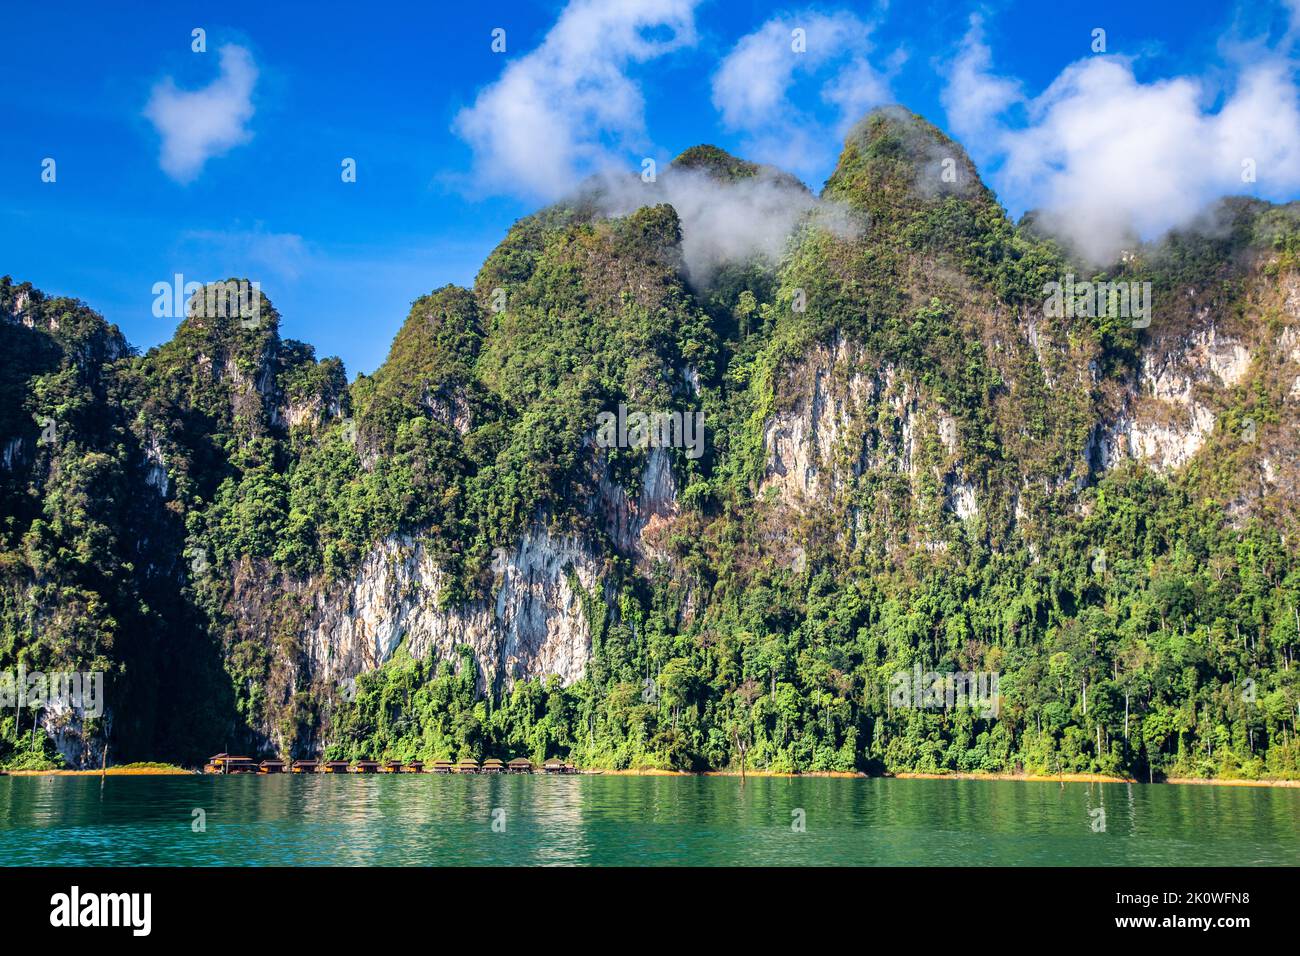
[(848, 415), (1167, 420), (633, 522), (535, 625)]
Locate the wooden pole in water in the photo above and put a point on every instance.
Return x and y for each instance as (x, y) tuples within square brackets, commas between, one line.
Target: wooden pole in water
[(103, 760)]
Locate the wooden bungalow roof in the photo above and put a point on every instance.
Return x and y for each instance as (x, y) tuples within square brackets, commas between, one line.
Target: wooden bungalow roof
[(519, 762), (493, 761)]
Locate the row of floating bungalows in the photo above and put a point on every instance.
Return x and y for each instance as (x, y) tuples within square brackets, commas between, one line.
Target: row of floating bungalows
[(228, 763)]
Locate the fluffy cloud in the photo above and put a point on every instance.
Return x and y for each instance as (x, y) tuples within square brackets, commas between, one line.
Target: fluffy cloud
[(200, 124), (556, 113), (726, 221), (753, 86), (565, 110), (1105, 156), (974, 96)]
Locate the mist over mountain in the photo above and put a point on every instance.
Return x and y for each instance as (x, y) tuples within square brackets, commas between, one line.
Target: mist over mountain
[(913, 474), (732, 212)]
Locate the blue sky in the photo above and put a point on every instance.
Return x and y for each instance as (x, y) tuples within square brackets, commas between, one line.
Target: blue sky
[(153, 179)]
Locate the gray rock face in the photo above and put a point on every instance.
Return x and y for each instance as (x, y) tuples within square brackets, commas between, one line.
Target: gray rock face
[(849, 415), (630, 522), (534, 627), (1167, 421), (11, 452)]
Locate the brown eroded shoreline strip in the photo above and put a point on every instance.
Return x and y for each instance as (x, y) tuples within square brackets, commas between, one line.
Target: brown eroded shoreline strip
[(161, 771)]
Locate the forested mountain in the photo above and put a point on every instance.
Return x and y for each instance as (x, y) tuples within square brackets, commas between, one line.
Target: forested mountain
[(909, 466)]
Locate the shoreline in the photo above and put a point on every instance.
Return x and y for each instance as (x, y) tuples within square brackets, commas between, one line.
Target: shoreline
[(1030, 777), (108, 772), (172, 771)]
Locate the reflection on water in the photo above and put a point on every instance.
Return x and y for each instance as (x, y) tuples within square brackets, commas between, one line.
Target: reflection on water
[(615, 820)]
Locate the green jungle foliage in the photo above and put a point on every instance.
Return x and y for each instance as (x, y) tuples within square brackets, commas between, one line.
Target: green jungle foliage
[(166, 517)]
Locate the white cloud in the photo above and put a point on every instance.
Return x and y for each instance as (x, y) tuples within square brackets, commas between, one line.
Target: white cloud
[(752, 88), (726, 221), (1104, 155), (974, 96), (859, 88), (557, 113), (200, 124), (564, 110)]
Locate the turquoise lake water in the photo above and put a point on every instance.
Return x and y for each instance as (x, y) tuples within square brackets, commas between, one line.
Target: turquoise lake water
[(615, 820)]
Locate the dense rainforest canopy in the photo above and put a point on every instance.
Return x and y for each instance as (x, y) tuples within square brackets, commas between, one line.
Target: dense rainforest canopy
[(172, 518)]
